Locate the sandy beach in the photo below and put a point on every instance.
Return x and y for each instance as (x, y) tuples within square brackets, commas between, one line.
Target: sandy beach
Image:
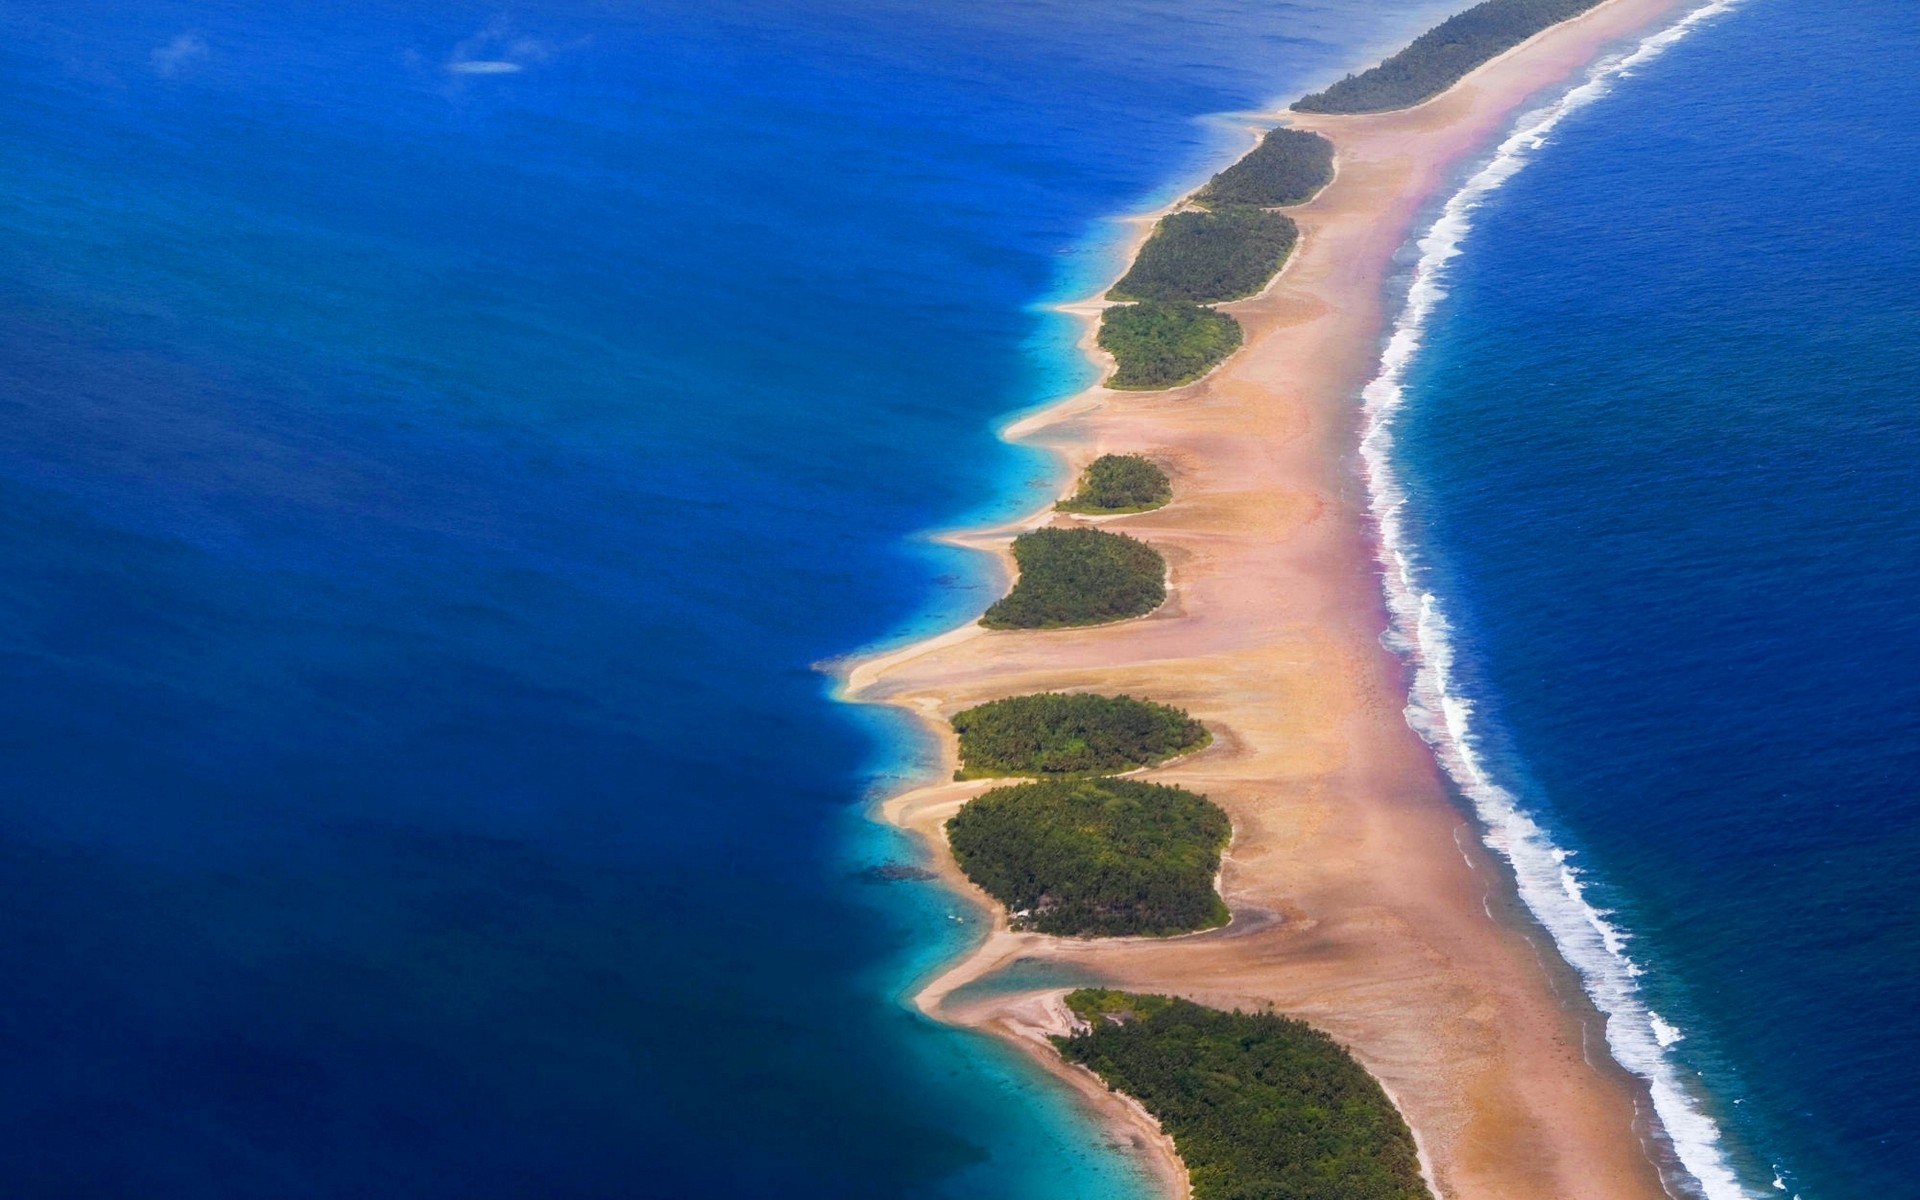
[(1363, 900)]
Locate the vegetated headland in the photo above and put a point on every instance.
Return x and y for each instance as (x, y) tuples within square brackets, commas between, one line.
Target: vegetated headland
[(1228, 245), (1095, 857), (1442, 56), (1119, 483), (1205, 257), (1079, 576), (1365, 912), (1060, 735), (1257, 1104)]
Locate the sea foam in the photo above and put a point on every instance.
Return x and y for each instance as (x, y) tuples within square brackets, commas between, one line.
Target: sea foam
[(1549, 883)]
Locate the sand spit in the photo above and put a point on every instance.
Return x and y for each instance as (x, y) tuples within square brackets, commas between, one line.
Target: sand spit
[(1363, 901)]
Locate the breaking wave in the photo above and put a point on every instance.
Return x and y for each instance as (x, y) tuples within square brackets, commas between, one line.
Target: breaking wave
[(1549, 883)]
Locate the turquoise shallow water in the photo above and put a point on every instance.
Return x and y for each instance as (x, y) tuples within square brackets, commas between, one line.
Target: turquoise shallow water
[(428, 489), (437, 443)]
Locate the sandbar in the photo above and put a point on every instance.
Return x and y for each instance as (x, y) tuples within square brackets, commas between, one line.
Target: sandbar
[(1363, 899)]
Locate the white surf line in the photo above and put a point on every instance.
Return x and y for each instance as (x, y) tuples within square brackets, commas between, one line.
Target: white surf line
[(1548, 883)]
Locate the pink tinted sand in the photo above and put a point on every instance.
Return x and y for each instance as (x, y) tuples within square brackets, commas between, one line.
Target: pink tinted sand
[(1363, 901)]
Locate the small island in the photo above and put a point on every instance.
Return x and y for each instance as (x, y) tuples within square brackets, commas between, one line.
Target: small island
[(1228, 248), (1119, 483), (1258, 1105), (1112, 874), (1096, 857), (1437, 59), (1079, 576), (1202, 256), (1162, 344), (1289, 166), (1061, 735)]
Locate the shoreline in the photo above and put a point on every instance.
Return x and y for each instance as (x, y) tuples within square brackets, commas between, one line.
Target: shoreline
[(1362, 899)]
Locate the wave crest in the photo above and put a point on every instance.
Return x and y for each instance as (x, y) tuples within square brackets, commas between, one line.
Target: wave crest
[(1549, 883)]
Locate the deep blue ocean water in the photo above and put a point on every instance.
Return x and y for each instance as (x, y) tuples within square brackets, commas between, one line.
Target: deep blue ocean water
[(437, 443), (428, 486), (1659, 455)]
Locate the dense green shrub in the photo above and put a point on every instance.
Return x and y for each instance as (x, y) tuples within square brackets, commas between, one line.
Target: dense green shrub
[(1158, 344), (1207, 256), (1287, 167), (1079, 577), (1261, 1107), (1095, 857), (1058, 734), (1438, 58), (1119, 483)]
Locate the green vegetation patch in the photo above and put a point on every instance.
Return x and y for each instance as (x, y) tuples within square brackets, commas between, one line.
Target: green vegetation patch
[(1161, 344), (1261, 1107), (1287, 167), (1056, 734), (1208, 256), (1119, 483), (1079, 577), (1092, 1005), (1096, 857), (1437, 59)]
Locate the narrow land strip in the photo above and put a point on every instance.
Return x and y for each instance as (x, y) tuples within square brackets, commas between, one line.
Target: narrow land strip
[(1362, 900)]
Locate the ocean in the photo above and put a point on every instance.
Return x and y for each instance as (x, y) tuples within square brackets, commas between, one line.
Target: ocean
[(1653, 535), (439, 444)]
